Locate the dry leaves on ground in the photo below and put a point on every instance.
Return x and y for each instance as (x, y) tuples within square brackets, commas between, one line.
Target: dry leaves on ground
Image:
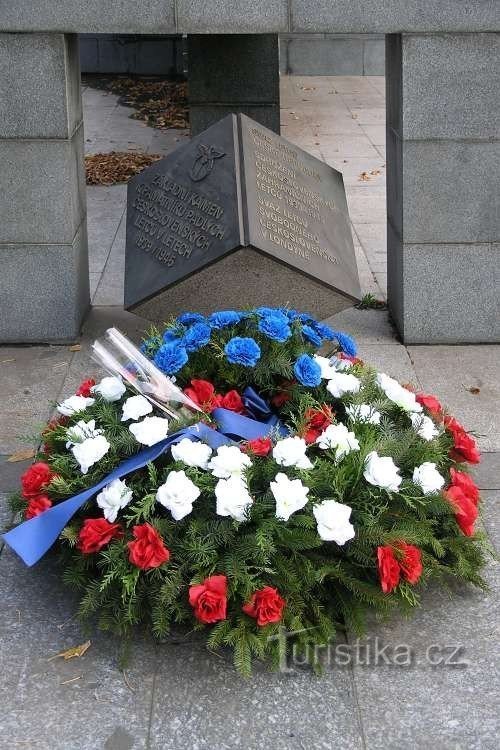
[(116, 167), (72, 653)]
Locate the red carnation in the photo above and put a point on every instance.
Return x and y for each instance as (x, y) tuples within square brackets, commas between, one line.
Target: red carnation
[(84, 388), (37, 505), (203, 393), (259, 446), (464, 445), (34, 479), (148, 550), (465, 510), (97, 533), (466, 484), (209, 599), (388, 569), (265, 606), (283, 395), (232, 401), (430, 403), (317, 420), (410, 562)]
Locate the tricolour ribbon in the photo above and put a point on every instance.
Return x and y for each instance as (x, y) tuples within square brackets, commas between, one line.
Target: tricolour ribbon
[(33, 538)]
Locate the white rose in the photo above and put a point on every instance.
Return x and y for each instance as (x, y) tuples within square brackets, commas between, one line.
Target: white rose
[(81, 431), (424, 426), (90, 451), (228, 462), (333, 521), (290, 495), (150, 431), (192, 453), (178, 494), (292, 452), (395, 392), (110, 388), (428, 478), (381, 471), (136, 407), (326, 367), (343, 382), (74, 404), (363, 413), (115, 496), (338, 438), (233, 498)]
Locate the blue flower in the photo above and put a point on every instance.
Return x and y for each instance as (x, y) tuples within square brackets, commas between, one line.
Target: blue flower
[(324, 331), (275, 326), (346, 343), (170, 357), (170, 335), (188, 318), (148, 344), (311, 335), (242, 351), (307, 371), (196, 337), (224, 318), (265, 311)]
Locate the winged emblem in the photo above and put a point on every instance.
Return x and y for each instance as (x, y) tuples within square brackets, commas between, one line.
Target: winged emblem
[(204, 161)]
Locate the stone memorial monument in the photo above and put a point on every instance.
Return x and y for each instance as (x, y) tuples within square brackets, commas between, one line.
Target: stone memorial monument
[(238, 217)]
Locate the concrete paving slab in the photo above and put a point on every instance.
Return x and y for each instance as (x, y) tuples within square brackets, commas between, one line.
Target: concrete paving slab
[(393, 360), (491, 516), (366, 326), (487, 473)]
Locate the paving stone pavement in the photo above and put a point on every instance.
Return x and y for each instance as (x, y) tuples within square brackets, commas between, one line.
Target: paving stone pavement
[(175, 696)]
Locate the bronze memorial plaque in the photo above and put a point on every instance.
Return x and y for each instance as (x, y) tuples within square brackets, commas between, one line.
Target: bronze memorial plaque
[(238, 217)]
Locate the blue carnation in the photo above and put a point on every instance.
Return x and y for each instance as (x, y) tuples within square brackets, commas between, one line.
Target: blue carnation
[(188, 318), (196, 337), (242, 351), (324, 331), (275, 326), (311, 335), (224, 318), (265, 311), (170, 335), (170, 357), (307, 371), (346, 343)]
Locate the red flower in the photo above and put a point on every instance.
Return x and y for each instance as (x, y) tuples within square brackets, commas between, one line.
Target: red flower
[(410, 562), (388, 569), (430, 403), (148, 550), (97, 533), (37, 505), (317, 420), (232, 401), (283, 395), (84, 388), (465, 510), (52, 425), (38, 476), (209, 599), (203, 393), (464, 446), (466, 484), (349, 358), (259, 446), (265, 606)]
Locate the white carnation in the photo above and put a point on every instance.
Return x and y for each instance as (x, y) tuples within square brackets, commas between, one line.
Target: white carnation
[(192, 453), (341, 364), (81, 431), (424, 426), (178, 494), (395, 392), (292, 452), (428, 478), (90, 451), (115, 496), (150, 431), (333, 523), (363, 413), (343, 382), (233, 498), (110, 388), (136, 407), (229, 461), (338, 438), (381, 471), (327, 368), (290, 495), (74, 404)]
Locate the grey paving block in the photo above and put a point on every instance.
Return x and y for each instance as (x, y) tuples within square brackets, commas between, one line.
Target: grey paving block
[(487, 473), (10, 474), (366, 326), (450, 86), (427, 705), (450, 372), (5, 514), (393, 360), (39, 86), (226, 17), (44, 291), (491, 516), (84, 703), (461, 301), (45, 178)]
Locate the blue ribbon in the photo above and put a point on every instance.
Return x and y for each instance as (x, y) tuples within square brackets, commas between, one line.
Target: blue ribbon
[(33, 538)]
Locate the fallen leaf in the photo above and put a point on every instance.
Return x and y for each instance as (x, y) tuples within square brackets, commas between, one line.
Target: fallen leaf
[(75, 348), (21, 455), (116, 167), (7, 360), (375, 172), (474, 390), (364, 177), (71, 653), (354, 117)]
